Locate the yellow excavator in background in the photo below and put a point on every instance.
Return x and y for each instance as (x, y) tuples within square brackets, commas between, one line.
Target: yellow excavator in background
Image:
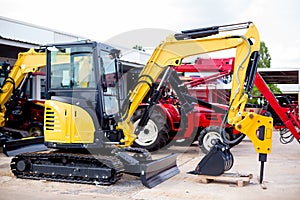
[(13, 82), (94, 142), (26, 64)]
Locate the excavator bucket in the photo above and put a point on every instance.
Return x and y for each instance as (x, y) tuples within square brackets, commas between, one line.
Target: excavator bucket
[(31, 144), (218, 160), (158, 171)]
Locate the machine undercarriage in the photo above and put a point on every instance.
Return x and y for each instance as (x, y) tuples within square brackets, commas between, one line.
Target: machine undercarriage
[(101, 167)]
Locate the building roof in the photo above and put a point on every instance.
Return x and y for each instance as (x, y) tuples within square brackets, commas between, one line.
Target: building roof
[(17, 43), (280, 76), (15, 30)]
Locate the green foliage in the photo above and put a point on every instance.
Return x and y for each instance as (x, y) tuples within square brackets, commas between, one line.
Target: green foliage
[(265, 58), (255, 94)]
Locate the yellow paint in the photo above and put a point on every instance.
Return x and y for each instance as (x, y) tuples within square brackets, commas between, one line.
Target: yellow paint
[(65, 123)]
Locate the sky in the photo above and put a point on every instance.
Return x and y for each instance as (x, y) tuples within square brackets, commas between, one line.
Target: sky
[(278, 21)]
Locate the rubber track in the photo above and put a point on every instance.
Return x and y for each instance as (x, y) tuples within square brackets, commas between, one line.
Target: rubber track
[(80, 159)]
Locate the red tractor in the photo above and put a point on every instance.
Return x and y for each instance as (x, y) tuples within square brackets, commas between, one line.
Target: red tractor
[(26, 118), (170, 121)]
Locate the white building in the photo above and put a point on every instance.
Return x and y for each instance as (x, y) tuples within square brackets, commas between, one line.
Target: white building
[(17, 36)]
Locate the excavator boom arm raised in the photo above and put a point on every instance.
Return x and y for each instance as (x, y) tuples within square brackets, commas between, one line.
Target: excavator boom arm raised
[(193, 42)]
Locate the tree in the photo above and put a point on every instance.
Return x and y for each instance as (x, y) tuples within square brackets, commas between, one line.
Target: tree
[(264, 62), (265, 58)]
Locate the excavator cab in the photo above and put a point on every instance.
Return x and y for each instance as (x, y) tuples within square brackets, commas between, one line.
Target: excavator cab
[(83, 92), (76, 88)]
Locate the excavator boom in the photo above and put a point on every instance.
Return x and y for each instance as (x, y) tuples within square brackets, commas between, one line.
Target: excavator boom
[(194, 42), (200, 41)]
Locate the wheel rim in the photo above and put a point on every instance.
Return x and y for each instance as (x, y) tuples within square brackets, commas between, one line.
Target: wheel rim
[(210, 139), (148, 134), (35, 131)]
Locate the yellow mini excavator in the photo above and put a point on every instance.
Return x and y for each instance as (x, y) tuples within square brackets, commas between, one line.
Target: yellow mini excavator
[(80, 126), (93, 143), (13, 82)]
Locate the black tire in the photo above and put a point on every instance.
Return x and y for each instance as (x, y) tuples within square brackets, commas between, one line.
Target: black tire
[(155, 134), (209, 135), (35, 130)]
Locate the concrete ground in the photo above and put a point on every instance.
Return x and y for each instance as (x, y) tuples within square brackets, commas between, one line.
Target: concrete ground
[(282, 179)]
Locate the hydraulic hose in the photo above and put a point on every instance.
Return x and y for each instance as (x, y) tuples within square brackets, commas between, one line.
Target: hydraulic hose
[(222, 128)]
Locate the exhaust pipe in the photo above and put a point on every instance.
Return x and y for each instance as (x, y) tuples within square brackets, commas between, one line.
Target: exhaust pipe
[(218, 160)]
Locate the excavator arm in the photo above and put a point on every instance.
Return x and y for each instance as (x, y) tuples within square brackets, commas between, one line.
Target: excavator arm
[(200, 41), (194, 42)]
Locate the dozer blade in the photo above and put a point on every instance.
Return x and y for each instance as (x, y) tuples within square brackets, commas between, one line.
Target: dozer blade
[(218, 160), (158, 171), (32, 144)]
